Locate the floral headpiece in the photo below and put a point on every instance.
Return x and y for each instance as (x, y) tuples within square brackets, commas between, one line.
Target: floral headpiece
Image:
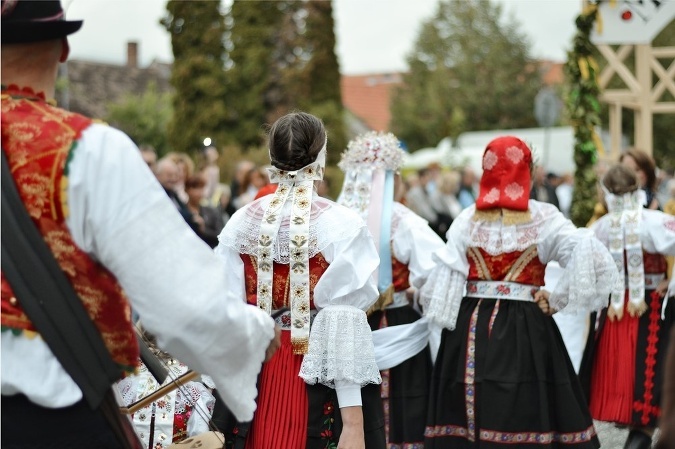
[(373, 150)]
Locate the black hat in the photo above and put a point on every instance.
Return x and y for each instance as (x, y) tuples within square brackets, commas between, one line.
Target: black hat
[(26, 21)]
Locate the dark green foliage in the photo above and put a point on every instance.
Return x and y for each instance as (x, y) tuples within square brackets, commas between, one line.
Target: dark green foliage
[(143, 118), (253, 39), (469, 71), (199, 104), (583, 109)]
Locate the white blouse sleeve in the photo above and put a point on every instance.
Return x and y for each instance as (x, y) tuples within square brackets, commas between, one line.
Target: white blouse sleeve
[(121, 216), (341, 350), (590, 272), (414, 244), (442, 294)]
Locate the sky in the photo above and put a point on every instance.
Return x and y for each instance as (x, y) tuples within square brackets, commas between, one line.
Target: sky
[(373, 36)]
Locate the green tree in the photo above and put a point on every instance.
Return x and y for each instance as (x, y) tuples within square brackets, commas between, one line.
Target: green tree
[(254, 30), (319, 77), (144, 118), (469, 70), (200, 110)]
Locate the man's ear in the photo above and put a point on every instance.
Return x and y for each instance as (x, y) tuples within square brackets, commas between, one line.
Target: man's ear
[(65, 50)]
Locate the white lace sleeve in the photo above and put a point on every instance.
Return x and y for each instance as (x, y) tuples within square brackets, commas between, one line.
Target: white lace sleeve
[(340, 341), (590, 272), (442, 294), (340, 349)]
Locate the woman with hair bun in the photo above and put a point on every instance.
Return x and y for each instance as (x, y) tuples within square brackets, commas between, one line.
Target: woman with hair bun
[(296, 250), (631, 344)]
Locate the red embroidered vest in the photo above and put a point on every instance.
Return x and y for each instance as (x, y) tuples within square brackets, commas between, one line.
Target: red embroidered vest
[(523, 267), (281, 283), (38, 140), (400, 275)]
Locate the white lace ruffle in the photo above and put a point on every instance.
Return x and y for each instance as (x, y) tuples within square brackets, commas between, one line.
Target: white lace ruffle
[(588, 279), (442, 295), (497, 238), (340, 349), (243, 229)]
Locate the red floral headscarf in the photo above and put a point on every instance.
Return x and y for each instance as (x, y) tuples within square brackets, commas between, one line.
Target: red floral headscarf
[(506, 175)]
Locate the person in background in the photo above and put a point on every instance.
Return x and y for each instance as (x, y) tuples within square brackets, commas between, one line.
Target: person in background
[(255, 179), (406, 243), (167, 174), (445, 203), (467, 187), (224, 200), (186, 168), (149, 156), (645, 169), (542, 190), (211, 173), (627, 373), (120, 243), (503, 377), (418, 199), (296, 250), (240, 172), (208, 221)]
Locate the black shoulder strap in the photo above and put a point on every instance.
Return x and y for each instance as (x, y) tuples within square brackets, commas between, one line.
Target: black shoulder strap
[(49, 300)]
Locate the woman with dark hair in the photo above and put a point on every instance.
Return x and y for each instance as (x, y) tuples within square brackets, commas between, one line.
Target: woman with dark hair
[(631, 344), (296, 250), (502, 377), (645, 169), (208, 221)]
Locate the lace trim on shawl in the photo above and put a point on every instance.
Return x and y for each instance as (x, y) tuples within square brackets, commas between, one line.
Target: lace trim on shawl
[(496, 237), (588, 280), (340, 348), (402, 213), (326, 226)]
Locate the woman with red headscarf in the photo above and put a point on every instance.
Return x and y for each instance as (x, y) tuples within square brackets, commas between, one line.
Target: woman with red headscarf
[(502, 377)]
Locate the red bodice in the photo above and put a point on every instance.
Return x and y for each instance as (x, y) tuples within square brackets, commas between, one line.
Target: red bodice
[(38, 139), (523, 267), (281, 282), (654, 263), (400, 275)]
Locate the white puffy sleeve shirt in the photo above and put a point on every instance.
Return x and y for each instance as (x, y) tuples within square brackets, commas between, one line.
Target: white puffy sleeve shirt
[(120, 216), (340, 353), (585, 284)]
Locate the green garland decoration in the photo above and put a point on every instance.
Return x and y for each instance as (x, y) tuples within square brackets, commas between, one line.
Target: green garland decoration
[(583, 108)]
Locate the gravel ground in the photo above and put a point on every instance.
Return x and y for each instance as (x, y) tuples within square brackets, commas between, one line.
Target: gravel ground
[(610, 436)]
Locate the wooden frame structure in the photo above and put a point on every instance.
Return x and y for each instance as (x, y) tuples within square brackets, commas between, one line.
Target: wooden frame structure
[(641, 94)]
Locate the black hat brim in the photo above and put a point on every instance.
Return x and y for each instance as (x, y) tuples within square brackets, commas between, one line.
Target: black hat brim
[(24, 32)]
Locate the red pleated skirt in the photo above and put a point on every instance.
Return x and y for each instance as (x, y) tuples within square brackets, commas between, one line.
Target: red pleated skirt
[(281, 417), (613, 379)]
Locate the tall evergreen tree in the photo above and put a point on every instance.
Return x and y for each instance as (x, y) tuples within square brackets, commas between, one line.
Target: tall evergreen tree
[(469, 70), (197, 28), (319, 77), (253, 78)]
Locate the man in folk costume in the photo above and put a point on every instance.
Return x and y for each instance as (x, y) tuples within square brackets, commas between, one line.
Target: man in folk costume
[(294, 249), (114, 235), (406, 244), (628, 365), (502, 377)]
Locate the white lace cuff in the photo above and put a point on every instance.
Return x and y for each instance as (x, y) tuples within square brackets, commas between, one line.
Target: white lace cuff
[(588, 279), (340, 348), (442, 294)]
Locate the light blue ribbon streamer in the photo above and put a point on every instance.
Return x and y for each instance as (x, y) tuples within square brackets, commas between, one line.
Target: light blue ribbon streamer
[(384, 273)]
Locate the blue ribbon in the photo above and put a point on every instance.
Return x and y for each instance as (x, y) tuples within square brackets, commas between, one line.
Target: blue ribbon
[(384, 273)]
